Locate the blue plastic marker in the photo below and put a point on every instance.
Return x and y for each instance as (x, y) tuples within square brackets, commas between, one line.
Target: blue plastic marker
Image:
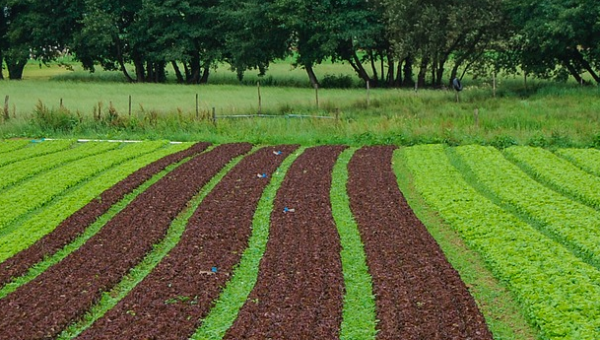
[(213, 269)]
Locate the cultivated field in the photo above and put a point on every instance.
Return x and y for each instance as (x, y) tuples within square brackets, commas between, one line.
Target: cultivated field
[(155, 240)]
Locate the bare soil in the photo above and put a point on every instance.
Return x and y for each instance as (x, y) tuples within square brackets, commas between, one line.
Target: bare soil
[(170, 302), (418, 293), (300, 286), (45, 306), (76, 224)]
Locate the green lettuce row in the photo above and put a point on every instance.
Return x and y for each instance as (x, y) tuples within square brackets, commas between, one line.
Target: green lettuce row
[(586, 159), (45, 187), (558, 173), (567, 221), (34, 150), (18, 171), (558, 292), (45, 220), (11, 145)]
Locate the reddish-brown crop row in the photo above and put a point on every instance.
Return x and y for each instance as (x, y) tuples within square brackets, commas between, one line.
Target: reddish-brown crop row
[(63, 293), (300, 287), (73, 226), (168, 303), (418, 293), (300, 284)]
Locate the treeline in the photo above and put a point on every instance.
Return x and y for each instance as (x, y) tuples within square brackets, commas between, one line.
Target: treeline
[(394, 43)]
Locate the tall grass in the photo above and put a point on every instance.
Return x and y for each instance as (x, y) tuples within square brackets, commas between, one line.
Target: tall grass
[(543, 114)]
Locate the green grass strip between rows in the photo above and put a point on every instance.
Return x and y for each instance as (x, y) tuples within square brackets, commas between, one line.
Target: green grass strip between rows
[(236, 292), (138, 273), (53, 259), (45, 220), (359, 312)]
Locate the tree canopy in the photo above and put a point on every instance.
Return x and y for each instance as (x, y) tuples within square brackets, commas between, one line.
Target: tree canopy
[(386, 42)]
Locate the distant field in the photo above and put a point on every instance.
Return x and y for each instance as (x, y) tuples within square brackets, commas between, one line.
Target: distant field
[(543, 114)]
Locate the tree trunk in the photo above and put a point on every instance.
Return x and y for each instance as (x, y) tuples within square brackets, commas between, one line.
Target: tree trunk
[(178, 74), (573, 71), (140, 71), (311, 75), (586, 65), (391, 80), (398, 80), (358, 67), (15, 67), (122, 63), (194, 71), (375, 79), (440, 73), (1, 66), (205, 74), (407, 80), (422, 72)]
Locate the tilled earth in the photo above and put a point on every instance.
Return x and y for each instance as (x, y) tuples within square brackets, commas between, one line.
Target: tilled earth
[(300, 286), (76, 224), (63, 293), (168, 303), (418, 293)]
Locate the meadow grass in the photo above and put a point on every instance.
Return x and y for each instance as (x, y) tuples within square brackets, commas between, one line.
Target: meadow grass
[(542, 114)]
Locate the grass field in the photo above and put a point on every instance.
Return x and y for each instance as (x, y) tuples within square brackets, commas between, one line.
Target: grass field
[(544, 114)]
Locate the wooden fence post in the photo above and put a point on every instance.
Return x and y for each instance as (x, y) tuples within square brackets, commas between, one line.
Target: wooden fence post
[(197, 108), (6, 115), (476, 117), (129, 106), (259, 98), (368, 93), (317, 95), (214, 116), (494, 85)]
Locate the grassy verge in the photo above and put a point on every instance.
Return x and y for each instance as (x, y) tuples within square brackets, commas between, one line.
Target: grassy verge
[(138, 273), (359, 314), (551, 115), (497, 304), (235, 293)]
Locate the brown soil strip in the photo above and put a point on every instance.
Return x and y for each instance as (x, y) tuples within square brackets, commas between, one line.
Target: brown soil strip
[(299, 291), (180, 291), (76, 224), (63, 293), (418, 293)]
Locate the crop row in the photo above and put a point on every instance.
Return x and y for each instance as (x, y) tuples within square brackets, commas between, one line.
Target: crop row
[(77, 223), (569, 222), (18, 171), (558, 291), (33, 150), (12, 145), (586, 159), (70, 287), (558, 173), (40, 222), (42, 189)]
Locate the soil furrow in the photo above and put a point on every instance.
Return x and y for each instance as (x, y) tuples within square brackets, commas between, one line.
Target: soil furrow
[(63, 293), (75, 224), (418, 293), (299, 291), (170, 302)]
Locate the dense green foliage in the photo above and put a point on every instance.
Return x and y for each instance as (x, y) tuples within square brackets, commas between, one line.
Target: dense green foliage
[(385, 41), (557, 290)]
